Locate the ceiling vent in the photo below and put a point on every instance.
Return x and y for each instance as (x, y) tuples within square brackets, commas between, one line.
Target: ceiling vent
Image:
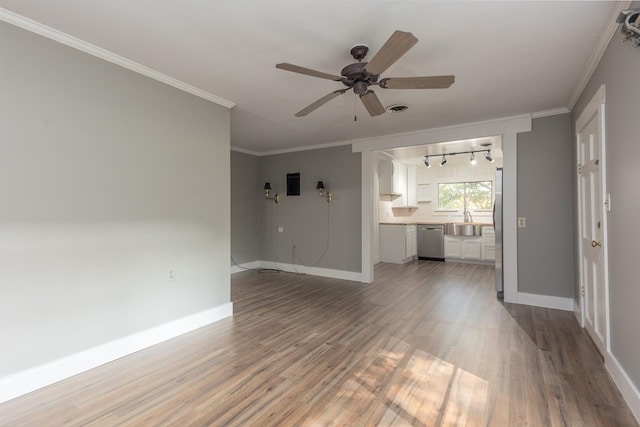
[(398, 108)]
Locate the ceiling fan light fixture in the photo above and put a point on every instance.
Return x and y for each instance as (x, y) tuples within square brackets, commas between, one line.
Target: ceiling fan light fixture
[(397, 108)]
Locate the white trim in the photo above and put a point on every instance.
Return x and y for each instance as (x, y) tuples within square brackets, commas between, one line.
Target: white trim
[(32, 379), (552, 112), (577, 311), (510, 216), (596, 106), (305, 148), (355, 276), (244, 267), (245, 151), (629, 391), (369, 205), (485, 128), (66, 39), (546, 301), (597, 53)]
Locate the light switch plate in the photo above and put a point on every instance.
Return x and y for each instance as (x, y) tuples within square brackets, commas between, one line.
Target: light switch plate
[(522, 222), (280, 229)]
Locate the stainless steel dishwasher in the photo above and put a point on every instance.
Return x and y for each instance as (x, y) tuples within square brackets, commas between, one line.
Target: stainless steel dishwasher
[(431, 241)]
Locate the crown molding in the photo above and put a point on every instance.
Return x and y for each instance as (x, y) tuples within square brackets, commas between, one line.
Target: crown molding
[(305, 148), (245, 151), (597, 53), (66, 39), (552, 112)]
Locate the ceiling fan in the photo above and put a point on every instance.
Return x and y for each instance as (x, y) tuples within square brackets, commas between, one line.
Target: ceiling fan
[(360, 75)]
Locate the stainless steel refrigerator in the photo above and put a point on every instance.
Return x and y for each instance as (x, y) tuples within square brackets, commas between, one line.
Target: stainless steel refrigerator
[(497, 225)]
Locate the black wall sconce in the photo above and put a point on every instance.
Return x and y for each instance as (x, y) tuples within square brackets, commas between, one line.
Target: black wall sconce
[(267, 190), (327, 195)]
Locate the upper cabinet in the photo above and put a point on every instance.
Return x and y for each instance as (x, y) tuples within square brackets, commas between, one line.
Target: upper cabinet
[(387, 178)]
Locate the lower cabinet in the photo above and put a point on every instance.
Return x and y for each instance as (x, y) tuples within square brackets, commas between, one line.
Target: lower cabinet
[(452, 247), (397, 243), (471, 248)]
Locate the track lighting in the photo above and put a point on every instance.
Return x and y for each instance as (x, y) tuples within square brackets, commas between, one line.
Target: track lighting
[(472, 157), (267, 190), (487, 156)]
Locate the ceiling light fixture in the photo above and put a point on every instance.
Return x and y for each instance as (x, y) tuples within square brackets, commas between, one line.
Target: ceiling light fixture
[(472, 157), (487, 156)]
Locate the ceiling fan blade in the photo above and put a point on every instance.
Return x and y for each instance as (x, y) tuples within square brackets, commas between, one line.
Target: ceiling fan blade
[(431, 82), (320, 102), (307, 71), (398, 44), (372, 103)]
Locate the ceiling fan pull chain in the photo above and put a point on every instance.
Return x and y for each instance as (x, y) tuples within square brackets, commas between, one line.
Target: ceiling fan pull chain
[(355, 106)]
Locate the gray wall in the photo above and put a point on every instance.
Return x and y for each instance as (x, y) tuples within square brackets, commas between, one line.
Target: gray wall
[(619, 69), (108, 180), (245, 193), (309, 221), (545, 246)]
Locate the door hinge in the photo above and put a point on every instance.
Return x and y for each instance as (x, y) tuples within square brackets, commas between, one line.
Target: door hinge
[(582, 290), (579, 169)]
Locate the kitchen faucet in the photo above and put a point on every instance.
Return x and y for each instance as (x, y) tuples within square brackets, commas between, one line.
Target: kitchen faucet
[(467, 216)]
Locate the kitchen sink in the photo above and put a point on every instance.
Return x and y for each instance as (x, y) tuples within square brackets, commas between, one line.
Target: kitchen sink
[(455, 229)]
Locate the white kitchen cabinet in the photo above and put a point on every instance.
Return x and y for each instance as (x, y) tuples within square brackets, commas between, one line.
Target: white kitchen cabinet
[(464, 248), (397, 243), (385, 176), (472, 248), (452, 247), (399, 185), (411, 248), (488, 244)]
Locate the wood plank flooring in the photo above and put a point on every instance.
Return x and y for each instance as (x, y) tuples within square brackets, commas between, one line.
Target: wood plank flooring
[(427, 344)]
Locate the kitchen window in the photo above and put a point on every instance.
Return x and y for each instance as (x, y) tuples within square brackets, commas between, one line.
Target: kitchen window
[(463, 196)]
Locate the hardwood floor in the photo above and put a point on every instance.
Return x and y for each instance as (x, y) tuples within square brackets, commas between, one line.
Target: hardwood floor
[(427, 344)]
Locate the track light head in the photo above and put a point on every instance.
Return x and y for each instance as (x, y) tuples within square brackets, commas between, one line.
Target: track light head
[(443, 161), (472, 158), (487, 156), (426, 161)]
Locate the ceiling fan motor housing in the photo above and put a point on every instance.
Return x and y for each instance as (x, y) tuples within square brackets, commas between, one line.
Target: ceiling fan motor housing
[(357, 77)]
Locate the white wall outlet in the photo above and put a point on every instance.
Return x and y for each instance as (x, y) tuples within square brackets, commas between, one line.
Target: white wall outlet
[(280, 229), (522, 222), (172, 275)]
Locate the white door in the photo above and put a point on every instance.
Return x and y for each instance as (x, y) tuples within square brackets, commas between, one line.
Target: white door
[(594, 288)]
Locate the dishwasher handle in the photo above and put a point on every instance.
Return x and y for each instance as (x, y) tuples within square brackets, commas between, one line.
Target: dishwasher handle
[(432, 229)]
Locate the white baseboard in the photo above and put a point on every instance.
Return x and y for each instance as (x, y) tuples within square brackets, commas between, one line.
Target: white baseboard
[(629, 391), (546, 301), (32, 379), (244, 267), (577, 311), (355, 276)]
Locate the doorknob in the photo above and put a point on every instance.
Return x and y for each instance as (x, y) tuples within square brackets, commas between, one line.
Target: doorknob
[(594, 244)]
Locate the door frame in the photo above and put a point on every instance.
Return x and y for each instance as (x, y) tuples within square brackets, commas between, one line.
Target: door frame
[(507, 128), (595, 106)]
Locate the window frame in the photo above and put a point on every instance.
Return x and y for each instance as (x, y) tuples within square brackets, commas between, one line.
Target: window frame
[(464, 196)]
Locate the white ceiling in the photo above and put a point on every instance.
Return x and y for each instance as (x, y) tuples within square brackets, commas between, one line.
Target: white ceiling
[(509, 58), (415, 155)]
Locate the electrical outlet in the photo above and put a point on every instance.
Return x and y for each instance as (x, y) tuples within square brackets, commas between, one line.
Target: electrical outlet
[(522, 222), (172, 276), (280, 229)]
